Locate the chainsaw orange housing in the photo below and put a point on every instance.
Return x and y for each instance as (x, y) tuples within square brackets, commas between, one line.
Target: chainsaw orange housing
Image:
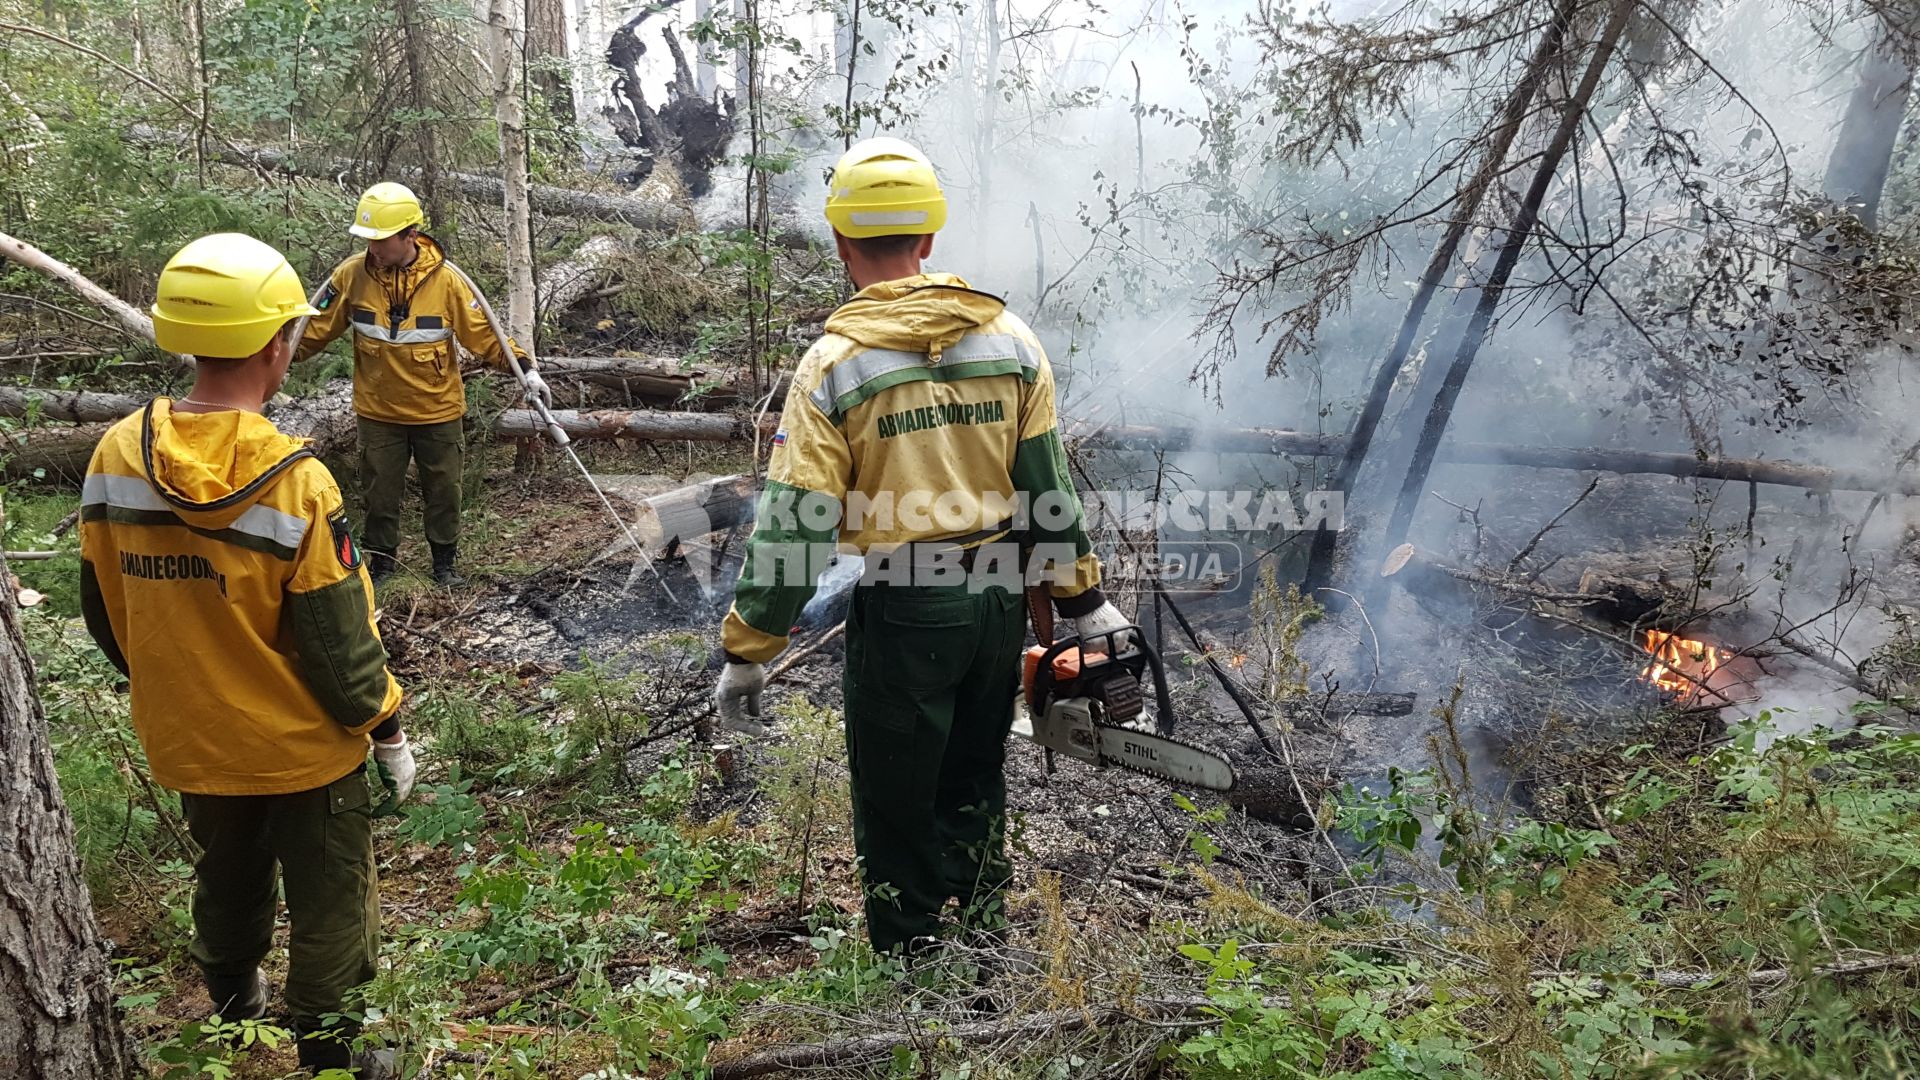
[(1066, 668)]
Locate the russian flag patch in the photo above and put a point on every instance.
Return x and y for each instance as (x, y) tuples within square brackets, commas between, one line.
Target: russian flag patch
[(780, 438)]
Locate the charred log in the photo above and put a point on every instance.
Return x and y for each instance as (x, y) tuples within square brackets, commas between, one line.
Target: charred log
[(1605, 596), (667, 519)]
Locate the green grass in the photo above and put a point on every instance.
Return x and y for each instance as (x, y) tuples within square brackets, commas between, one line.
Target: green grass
[(31, 517)]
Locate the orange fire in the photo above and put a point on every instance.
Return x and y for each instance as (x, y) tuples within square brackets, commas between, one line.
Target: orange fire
[(1680, 665)]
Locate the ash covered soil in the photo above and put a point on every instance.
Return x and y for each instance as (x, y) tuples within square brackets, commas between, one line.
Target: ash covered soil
[(1101, 829)]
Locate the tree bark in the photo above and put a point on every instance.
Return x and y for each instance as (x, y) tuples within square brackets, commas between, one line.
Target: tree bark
[(692, 511), (510, 116), (1863, 150), (82, 406), (547, 46), (1518, 235), (413, 41), (53, 454), (58, 1021), (135, 323), (628, 424), (564, 284)]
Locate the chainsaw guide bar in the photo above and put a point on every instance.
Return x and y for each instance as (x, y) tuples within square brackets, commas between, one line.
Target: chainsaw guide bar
[(1085, 700)]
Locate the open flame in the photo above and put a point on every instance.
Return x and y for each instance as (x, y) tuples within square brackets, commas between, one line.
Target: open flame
[(1680, 665)]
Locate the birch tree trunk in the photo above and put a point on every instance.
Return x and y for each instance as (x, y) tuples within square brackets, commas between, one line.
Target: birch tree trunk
[(130, 318), (57, 1019), (509, 113)]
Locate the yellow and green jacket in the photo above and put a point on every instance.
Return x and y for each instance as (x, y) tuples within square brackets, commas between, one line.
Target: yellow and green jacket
[(218, 575), (405, 322), (920, 387)]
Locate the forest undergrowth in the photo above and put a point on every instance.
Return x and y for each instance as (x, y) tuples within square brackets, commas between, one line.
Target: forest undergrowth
[(573, 894)]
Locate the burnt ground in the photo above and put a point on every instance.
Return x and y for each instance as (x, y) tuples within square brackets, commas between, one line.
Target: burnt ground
[(1103, 827)]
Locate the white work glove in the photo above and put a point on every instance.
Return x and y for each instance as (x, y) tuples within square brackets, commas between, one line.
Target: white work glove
[(738, 698), (1101, 620), (394, 764), (537, 387)]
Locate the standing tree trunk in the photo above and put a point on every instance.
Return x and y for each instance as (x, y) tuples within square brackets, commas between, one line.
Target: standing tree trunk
[(57, 1019), (1863, 151), (547, 51), (1500, 141), (1518, 235), (413, 41), (509, 114)]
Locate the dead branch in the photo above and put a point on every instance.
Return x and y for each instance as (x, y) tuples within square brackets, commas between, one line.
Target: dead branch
[(1164, 1013), (198, 117)]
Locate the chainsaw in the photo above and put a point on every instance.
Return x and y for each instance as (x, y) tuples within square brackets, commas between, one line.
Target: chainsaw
[(1083, 699)]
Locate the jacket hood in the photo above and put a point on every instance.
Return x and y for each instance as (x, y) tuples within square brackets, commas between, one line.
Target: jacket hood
[(926, 313), (213, 467), (431, 258)]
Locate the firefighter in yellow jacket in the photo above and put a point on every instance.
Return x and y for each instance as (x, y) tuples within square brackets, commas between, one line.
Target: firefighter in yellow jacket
[(407, 304), (217, 573), (923, 416)]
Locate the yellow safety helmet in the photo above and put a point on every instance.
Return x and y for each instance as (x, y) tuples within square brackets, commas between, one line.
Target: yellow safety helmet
[(885, 187), (225, 296), (385, 209)]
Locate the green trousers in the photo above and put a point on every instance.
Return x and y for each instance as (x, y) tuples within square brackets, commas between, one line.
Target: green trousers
[(321, 842), (439, 450), (930, 678)]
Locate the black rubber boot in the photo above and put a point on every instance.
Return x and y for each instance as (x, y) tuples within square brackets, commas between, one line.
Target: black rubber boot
[(247, 1001), (380, 564), (443, 572)]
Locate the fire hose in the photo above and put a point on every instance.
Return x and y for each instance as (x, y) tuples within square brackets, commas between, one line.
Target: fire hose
[(559, 436)]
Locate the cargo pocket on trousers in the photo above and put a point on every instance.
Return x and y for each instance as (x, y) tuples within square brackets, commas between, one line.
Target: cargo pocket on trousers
[(350, 794), (925, 642)]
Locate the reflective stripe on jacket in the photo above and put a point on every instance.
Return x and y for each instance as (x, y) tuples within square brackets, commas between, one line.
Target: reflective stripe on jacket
[(406, 369), (924, 393), (218, 574)]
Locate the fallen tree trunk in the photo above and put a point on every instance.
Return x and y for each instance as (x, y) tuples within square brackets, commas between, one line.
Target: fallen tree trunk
[(130, 318), (656, 215), (648, 376), (49, 454), (566, 283), (626, 424), (1208, 440), (693, 511), (327, 418), (1580, 459), (70, 405), (1609, 597)]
